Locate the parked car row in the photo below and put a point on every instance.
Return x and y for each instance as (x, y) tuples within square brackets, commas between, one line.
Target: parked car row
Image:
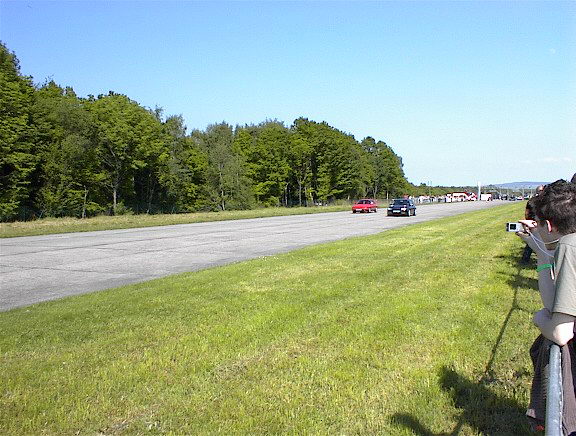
[(399, 206)]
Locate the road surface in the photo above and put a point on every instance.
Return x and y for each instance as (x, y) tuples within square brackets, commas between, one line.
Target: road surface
[(41, 268)]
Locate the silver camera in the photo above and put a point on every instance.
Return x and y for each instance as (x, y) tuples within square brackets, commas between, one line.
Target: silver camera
[(514, 227)]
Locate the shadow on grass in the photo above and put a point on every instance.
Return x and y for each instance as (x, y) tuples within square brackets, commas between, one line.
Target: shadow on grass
[(514, 283), (482, 409), (523, 282), (516, 260), (518, 280)]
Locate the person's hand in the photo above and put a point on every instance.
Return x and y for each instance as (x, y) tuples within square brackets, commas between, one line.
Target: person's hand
[(528, 225), (542, 316)]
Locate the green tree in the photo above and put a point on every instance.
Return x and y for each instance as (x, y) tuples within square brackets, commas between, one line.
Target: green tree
[(151, 154), (387, 176), (395, 183), (17, 155), (300, 162), (131, 146), (337, 163), (266, 161), (228, 186), (65, 139), (384, 174), (183, 174), (306, 135), (350, 169)]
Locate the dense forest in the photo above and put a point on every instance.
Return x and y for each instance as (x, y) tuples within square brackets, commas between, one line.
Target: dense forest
[(63, 155)]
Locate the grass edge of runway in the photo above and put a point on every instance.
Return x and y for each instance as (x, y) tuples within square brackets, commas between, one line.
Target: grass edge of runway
[(421, 329)]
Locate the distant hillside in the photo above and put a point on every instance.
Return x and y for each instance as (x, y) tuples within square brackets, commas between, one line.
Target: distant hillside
[(520, 185)]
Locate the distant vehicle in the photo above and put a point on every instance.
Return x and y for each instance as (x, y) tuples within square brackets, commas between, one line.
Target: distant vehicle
[(365, 205), (402, 206)]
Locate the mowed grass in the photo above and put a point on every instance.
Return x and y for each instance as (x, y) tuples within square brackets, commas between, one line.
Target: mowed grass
[(47, 226), (421, 330)]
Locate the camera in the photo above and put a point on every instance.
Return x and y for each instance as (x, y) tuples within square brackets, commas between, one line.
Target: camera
[(514, 227)]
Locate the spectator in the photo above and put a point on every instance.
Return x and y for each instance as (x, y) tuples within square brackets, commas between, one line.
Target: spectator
[(529, 215), (554, 228)]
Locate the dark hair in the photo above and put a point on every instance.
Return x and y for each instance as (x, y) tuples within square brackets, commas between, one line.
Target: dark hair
[(529, 212), (557, 204)]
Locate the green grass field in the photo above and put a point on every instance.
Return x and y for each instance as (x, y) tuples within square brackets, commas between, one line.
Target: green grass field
[(46, 226), (422, 330)]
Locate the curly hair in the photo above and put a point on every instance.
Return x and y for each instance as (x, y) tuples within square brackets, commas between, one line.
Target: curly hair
[(557, 204)]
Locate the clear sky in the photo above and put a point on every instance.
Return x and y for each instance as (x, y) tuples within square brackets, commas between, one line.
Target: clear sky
[(463, 91)]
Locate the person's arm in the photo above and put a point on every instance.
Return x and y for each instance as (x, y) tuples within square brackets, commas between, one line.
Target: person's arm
[(558, 327), (546, 280), (544, 265)]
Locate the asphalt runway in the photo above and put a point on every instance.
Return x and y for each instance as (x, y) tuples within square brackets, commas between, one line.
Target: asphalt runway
[(40, 268)]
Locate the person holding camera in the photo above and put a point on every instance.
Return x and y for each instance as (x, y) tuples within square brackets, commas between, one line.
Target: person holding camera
[(529, 215), (552, 235)]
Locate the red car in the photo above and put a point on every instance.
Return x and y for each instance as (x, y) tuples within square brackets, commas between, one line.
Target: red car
[(365, 205)]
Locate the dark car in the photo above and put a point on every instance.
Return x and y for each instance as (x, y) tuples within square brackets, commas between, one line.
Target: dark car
[(402, 206)]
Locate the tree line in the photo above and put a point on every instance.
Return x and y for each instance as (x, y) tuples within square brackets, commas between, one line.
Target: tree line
[(63, 155)]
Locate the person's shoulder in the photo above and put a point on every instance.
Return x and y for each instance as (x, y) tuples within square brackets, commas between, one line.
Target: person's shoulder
[(569, 240)]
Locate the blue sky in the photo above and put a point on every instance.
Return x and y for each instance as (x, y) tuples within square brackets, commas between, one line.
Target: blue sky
[(464, 91)]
